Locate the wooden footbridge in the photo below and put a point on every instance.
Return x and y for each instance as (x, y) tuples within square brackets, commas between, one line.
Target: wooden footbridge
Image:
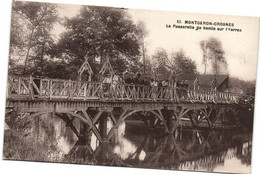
[(94, 102)]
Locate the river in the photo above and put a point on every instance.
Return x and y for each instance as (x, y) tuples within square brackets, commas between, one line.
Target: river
[(212, 150)]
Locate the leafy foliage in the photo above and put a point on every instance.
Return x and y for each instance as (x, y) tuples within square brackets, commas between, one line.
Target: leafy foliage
[(213, 53), (142, 33), (178, 62), (96, 33), (30, 35), (99, 33), (240, 86), (183, 64)]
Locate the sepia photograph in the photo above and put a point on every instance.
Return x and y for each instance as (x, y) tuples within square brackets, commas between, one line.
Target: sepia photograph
[(130, 88)]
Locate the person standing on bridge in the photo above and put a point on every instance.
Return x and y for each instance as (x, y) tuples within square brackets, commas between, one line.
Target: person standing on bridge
[(128, 78), (36, 76), (154, 85), (107, 83), (165, 85)]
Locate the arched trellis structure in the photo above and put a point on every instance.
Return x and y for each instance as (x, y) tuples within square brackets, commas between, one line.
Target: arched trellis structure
[(106, 68), (85, 67)]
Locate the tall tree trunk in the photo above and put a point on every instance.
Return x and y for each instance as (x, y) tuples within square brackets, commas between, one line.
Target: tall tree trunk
[(216, 65), (28, 52), (143, 50), (205, 63), (42, 53), (30, 40)]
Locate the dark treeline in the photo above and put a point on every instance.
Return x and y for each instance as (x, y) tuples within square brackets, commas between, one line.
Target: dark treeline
[(98, 34)]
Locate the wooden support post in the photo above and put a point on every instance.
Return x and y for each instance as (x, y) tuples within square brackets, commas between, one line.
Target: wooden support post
[(37, 127), (207, 113), (169, 120), (83, 131), (152, 122), (92, 125), (168, 116), (103, 125), (149, 120), (30, 88), (193, 123), (144, 116)]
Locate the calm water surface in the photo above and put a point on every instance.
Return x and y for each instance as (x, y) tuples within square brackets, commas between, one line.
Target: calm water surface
[(219, 150)]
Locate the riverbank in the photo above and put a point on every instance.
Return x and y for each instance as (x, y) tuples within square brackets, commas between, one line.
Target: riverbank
[(18, 147)]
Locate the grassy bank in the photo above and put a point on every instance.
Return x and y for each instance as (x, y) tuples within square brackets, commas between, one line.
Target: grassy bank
[(18, 147)]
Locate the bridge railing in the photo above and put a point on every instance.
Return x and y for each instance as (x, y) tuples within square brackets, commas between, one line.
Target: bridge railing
[(18, 86), (139, 92), (28, 87)]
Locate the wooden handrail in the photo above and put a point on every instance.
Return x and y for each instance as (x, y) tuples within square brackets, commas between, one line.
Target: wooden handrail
[(31, 88)]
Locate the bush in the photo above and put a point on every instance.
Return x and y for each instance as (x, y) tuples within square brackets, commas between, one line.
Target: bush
[(17, 147)]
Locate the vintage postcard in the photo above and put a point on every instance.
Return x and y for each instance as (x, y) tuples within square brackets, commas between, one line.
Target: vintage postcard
[(130, 88)]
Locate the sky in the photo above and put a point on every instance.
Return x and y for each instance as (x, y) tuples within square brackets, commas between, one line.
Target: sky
[(240, 47)]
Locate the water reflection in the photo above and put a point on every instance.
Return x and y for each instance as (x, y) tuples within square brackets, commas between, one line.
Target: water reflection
[(219, 150)]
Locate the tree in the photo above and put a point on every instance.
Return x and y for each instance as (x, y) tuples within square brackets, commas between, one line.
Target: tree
[(178, 63), (99, 33), (30, 33), (16, 35), (237, 85), (59, 69), (142, 33), (203, 46), (213, 52), (183, 64)]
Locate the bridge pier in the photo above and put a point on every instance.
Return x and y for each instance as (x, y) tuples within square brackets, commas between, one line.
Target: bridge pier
[(193, 118), (149, 120), (152, 122), (84, 135), (168, 116), (103, 124)]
